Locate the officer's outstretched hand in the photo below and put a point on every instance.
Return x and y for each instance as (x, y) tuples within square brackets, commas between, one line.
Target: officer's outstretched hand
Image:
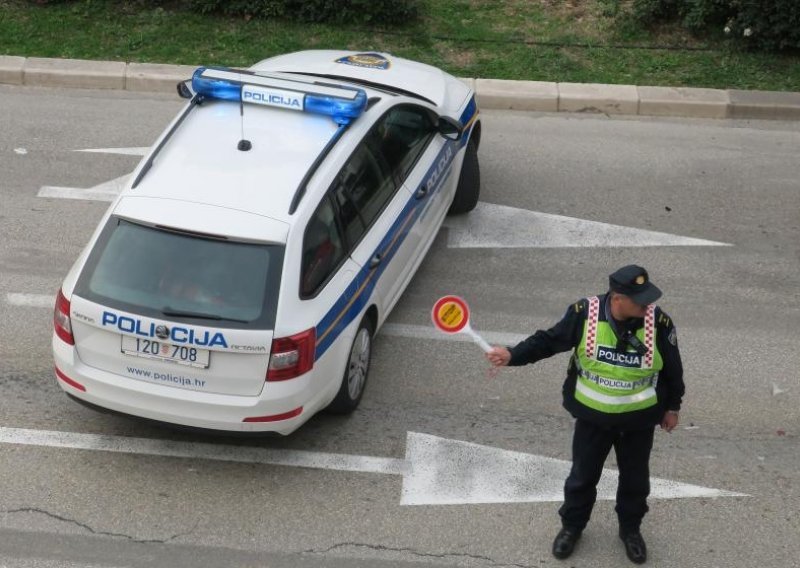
[(499, 356)]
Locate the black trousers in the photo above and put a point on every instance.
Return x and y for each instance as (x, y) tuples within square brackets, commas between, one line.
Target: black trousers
[(591, 445)]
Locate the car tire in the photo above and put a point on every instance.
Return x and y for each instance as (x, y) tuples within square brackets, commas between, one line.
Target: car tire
[(469, 183), (356, 371)]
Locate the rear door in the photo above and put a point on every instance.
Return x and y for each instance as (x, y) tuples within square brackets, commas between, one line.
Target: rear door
[(373, 211)]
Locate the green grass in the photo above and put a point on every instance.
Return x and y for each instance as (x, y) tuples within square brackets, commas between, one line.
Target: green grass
[(543, 40)]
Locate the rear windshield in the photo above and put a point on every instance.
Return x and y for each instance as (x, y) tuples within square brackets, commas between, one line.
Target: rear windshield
[(183, 277)]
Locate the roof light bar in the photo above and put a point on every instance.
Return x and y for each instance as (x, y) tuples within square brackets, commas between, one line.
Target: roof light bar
[(342, 104)]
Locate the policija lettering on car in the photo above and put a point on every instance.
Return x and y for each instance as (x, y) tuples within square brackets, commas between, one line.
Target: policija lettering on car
[(441, 166), (176, 334)]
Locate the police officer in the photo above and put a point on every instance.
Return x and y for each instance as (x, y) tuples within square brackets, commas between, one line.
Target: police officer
[(625, 376)]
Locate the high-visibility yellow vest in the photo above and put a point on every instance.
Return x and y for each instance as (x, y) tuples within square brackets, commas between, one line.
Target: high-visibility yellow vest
[(615, 380)]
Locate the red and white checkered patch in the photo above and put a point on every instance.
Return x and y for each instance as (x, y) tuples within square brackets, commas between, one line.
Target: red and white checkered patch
[(591, 325), (649, 335)]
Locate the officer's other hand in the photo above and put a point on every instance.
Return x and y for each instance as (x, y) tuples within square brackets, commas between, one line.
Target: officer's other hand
[(499, 356), (669, 422)]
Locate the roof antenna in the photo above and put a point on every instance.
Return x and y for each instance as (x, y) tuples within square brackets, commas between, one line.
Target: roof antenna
[(244, 145)]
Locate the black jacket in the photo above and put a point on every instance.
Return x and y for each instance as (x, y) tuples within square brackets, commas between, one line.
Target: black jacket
[(566, 335)]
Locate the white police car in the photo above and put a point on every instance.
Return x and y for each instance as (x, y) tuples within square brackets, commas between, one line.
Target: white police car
[(239, 278)]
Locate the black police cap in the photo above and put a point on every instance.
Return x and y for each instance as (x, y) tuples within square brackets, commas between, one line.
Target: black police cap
[(634, 282)]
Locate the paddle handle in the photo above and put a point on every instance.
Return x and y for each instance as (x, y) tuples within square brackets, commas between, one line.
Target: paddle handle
[(478, 339)]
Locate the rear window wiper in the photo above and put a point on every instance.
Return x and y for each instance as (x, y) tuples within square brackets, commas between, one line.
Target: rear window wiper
[(172, 312)]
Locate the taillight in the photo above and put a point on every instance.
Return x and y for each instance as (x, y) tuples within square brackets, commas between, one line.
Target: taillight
[(61, 321), (292, 356)]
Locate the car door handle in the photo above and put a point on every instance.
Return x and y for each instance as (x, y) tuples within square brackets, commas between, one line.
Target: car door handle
[(421, 192), (375, 261)]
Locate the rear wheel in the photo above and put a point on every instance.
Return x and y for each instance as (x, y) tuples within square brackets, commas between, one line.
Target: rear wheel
[(355, 373), (469, 183)]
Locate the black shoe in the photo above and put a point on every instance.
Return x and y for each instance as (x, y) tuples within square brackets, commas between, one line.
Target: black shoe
[(635, 547), (564, 543)]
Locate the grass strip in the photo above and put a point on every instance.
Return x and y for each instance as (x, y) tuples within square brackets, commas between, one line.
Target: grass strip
[(523, 40)]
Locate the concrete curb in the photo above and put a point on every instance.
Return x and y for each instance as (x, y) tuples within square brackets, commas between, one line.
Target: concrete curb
[(490, 93), (73, 73)]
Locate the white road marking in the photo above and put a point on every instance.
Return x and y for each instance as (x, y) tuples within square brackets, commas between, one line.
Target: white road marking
[(106, 191), (32, 300), (20, 151), (488, 226), (136, 151), (215, 452), (436, 471), (430, 332), (392, 329), (452, 472), (499, 226)]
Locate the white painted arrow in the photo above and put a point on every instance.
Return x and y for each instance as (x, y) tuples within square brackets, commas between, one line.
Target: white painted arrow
[(436, 471), (106, 191), (451, 472), (134, 151), (487, 226), (499, 226)]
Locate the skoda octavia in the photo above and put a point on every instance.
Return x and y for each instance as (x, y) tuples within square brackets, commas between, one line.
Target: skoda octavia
[(238, 280)]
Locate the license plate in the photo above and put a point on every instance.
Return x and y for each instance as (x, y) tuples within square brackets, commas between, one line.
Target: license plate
[(151, 349)]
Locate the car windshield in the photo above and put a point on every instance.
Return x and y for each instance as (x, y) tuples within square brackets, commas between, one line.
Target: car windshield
[(164, 273)]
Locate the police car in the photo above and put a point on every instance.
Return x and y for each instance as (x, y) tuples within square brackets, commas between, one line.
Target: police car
[(238, 280)]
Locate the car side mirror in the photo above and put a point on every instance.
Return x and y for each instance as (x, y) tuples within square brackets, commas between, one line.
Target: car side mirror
[(185, 89), (450, 128)]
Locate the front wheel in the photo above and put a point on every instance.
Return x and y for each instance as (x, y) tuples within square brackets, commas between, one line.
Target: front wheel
[(469, 182), (355, 373)]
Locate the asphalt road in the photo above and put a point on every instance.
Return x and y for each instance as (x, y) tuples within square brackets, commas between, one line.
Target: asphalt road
[(736, 310)]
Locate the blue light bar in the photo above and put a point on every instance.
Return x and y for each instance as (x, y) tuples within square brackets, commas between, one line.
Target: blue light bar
[(215, 88), (341, 111), (342, 104)]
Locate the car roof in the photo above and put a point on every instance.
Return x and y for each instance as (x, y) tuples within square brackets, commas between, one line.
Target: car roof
[(198, 159), (376, 68), (201, 162)]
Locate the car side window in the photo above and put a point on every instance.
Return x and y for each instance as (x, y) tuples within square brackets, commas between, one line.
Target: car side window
[(401, 136), (361, 191), (323, 249)]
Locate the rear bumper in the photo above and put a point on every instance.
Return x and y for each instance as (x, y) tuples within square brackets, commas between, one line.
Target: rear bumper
[(189, 408)]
